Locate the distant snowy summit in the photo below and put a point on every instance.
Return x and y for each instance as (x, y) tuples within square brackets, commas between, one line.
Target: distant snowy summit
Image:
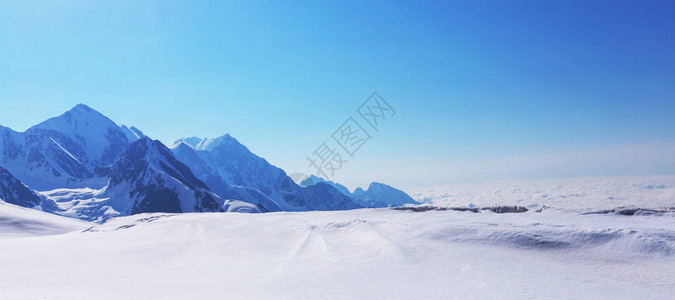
[(377, 194), (74, 149), (224, 163), (87, 166)]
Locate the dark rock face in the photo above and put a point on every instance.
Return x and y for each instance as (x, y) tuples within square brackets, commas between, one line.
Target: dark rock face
[(156, 199), (14, 192), (326, 197), (207, 202), (313, 180), (150, 175), (117, 143)]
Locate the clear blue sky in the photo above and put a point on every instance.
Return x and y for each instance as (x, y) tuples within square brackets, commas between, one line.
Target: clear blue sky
[(483, 89)]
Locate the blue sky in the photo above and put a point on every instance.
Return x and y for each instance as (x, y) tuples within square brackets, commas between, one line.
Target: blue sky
[(483, 90)]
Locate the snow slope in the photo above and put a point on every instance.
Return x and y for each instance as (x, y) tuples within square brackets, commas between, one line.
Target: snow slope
[(19, 222), (567, 193), (357, 254)]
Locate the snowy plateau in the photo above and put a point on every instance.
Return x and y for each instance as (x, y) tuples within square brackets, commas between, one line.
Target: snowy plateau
[(90, 209)]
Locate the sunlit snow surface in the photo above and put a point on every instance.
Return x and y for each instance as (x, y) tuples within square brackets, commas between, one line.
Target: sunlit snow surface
[(19, 222), (358, 254)]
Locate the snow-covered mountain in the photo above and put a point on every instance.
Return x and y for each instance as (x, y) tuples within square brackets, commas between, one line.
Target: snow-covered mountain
[(146, 178), (40, 161), (323, 196), (377, 195), (223, 162), (88, 167), (74, 149), (235, 164), (149, 178), (15, 192), (382, 195), (209, 175), (132, 133), (313, 180), (94, 139)]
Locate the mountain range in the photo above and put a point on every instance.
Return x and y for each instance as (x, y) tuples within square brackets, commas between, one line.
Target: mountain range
[(81, 164), (377, 195)]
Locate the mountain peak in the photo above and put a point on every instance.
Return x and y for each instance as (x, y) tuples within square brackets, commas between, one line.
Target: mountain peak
[(156, 181), (145, 139), (86, 134), (154, 153), (224, 139), (144, 144), (82, 107), (192, 141), (85, 113), (207, 144), (311, 180), (382, 195), (375, 184), (81, 118), (132, 133)]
